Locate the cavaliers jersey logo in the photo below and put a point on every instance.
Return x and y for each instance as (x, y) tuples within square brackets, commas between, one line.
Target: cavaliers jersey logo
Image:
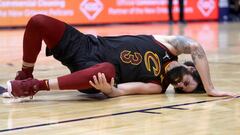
[(131, 58), (151, 60), (152, 57)]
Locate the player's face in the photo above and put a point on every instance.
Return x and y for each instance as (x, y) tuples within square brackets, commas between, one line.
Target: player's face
[(187, 84)]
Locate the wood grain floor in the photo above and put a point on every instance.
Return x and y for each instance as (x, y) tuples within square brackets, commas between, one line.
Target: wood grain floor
[(71, 113)]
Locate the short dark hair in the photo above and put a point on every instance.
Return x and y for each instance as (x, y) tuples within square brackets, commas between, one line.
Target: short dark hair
[(175, 75)]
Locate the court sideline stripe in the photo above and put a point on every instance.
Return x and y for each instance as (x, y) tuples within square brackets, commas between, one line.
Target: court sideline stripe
[(109, 115)]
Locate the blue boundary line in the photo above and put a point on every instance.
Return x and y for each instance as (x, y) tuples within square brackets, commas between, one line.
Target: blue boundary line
[(110, 115)]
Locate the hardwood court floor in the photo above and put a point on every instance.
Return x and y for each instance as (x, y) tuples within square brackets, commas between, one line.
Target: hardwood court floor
[(70, 112)]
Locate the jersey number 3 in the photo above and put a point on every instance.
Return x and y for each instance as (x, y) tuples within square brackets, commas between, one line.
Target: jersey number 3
[(131, 58), (135, 58)]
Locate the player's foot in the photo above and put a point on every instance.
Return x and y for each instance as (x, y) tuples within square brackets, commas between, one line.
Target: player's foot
[(2, 89), (4, 93), (23, 88), (21, 75)]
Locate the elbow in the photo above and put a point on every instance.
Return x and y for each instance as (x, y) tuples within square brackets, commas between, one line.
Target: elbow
[(195, 46), (197, 52)]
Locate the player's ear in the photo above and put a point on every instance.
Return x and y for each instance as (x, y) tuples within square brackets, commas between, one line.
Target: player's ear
[(191, 69)]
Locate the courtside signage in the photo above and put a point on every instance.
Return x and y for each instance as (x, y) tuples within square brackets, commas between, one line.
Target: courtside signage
[(18, 12), (206, 7)]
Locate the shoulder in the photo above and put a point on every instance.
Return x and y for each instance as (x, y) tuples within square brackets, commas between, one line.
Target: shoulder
[(178, 44), (165, 41)]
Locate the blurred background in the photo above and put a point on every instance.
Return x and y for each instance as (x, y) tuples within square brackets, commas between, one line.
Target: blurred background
[(16, 13)]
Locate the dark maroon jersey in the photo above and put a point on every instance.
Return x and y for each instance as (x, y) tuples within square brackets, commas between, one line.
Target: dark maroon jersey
[(137, 58)]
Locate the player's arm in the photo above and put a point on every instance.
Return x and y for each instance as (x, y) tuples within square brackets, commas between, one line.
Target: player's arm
[(132, 88), (99, 82), (187, 45)]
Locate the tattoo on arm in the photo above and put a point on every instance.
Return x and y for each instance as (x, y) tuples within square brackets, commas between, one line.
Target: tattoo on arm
[(181, 44), (186, 45), (198, 53)]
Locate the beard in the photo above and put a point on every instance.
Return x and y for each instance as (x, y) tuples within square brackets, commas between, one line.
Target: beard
[(175, 75)]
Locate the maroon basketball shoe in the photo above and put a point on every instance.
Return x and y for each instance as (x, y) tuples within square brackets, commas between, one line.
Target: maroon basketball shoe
[(23, 88), (21, 75)]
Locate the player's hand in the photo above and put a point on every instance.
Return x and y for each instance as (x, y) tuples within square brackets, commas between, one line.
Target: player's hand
[(216, 93), (100, 83)]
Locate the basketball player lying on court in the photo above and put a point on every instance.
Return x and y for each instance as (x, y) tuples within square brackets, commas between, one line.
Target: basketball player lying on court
[(115, 66)]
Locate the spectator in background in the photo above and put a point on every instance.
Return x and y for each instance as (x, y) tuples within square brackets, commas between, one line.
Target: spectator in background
[(234, 9), (181, 12)]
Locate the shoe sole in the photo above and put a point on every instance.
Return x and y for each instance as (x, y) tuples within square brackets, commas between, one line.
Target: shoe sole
[(9, 89)]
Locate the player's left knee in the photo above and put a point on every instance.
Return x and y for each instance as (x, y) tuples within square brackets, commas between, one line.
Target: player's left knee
[(37, 20), (108, 69)]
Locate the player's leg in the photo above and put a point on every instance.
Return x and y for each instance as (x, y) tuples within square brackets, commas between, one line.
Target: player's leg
[(181, 14), (77, 80), (39, 28), (170, 8)]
